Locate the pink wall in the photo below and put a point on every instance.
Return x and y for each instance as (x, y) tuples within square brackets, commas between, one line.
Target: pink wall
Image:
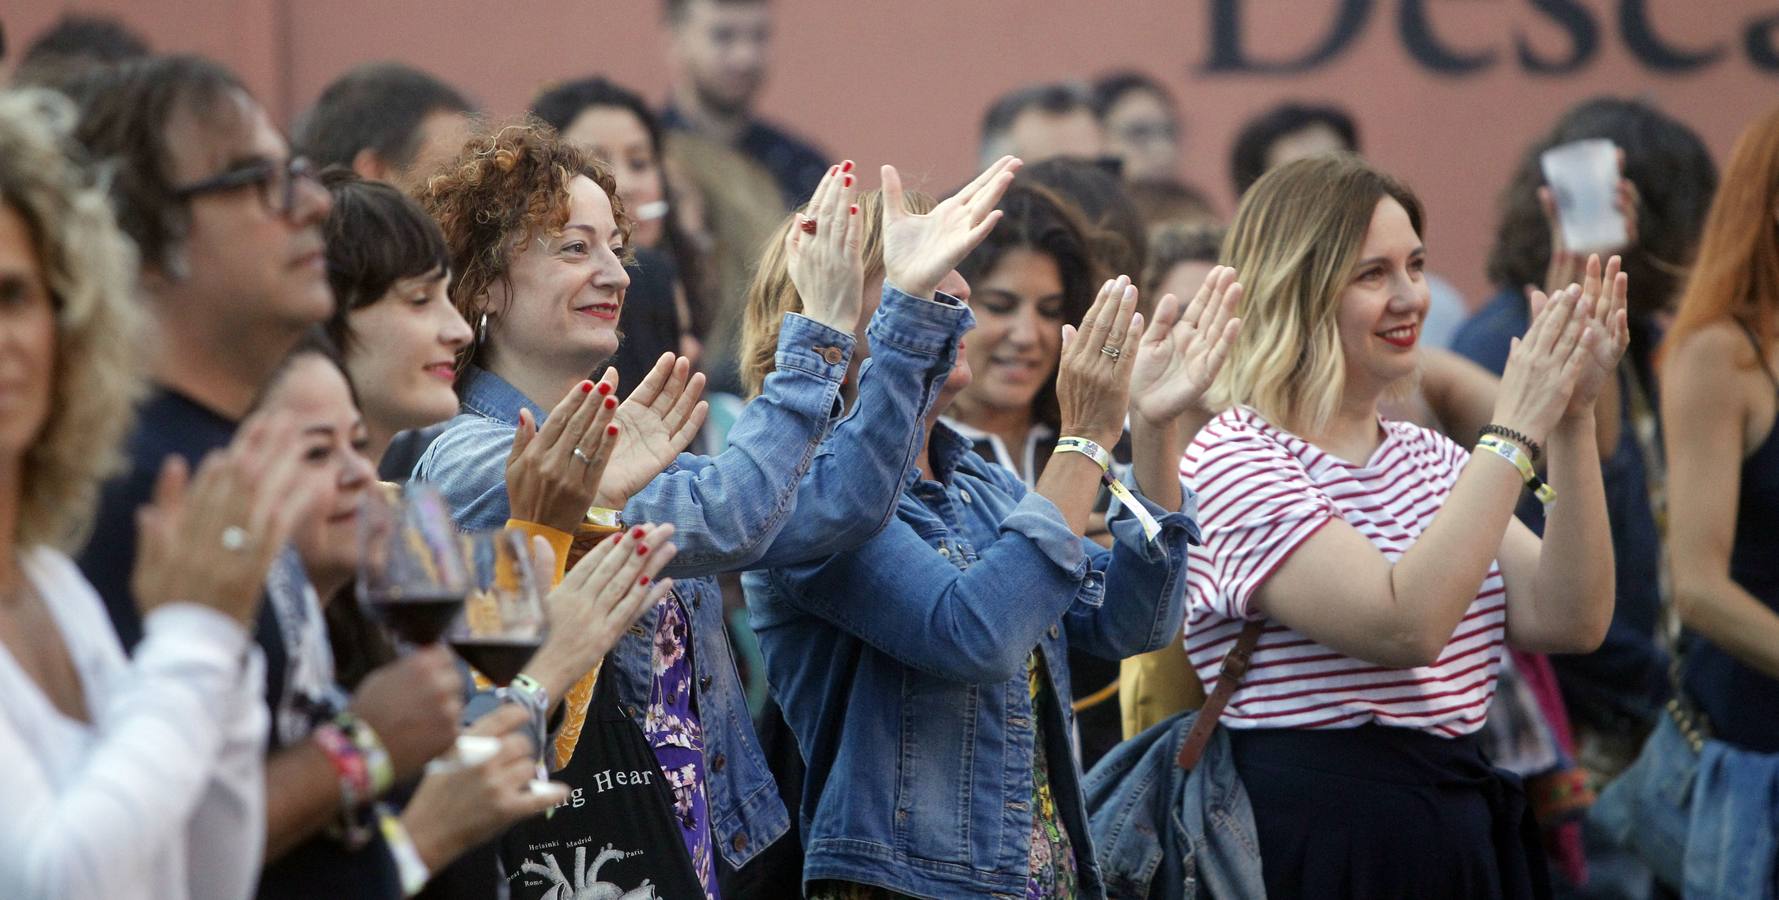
[(906, 81)]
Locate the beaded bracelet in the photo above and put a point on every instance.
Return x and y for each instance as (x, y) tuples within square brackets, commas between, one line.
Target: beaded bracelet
[(1518, 438)]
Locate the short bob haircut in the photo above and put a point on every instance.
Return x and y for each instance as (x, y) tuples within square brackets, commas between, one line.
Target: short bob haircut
[(1294, 242), (89, 267), (1033, 218), (376, 236), (771, 294), (506, 185)]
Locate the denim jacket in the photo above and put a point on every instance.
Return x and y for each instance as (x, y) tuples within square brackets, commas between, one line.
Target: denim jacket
[(901, 666), (1169, 834), (779, 494)]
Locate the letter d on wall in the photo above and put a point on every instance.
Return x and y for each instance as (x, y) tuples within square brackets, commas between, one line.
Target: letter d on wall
[(1228, 56)]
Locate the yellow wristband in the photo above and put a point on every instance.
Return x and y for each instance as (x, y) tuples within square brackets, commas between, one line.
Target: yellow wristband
[(1103, 459), (1510, 452)]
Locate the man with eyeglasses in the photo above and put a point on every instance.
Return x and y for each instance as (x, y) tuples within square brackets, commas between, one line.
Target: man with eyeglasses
[(228, 227)]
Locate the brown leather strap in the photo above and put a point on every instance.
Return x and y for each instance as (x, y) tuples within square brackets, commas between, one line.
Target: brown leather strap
[(1229, 680)]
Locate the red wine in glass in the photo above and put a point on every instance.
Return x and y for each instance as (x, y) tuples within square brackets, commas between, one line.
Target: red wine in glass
[(417, 618), (500, 659)]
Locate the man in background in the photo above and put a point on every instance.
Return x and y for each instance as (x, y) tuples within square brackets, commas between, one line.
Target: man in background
[(1042, 121), (386, 121)]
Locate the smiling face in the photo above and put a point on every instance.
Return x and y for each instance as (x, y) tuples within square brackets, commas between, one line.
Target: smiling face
[(312, 390), (1382, 306), (615, 135), (403, 350), (1014, 350), (27, 339), (567, 291)]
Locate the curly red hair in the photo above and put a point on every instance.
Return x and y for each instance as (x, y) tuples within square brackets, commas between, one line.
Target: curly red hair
[(504, 186)]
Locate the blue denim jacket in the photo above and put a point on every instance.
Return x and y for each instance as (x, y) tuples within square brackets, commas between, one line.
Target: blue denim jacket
[(901, 666), (1169, 834), (779, 494)]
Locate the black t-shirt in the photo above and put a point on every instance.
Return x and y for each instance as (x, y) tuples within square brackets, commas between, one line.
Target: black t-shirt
[(171, 424), (649, 323)]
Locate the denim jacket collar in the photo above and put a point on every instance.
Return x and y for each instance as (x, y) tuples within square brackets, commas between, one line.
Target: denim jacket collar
[(947, 450), (487, 394)]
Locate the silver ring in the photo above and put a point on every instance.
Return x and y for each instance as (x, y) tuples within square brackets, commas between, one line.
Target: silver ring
[(234, 538), (1112, 351), (583, 457)]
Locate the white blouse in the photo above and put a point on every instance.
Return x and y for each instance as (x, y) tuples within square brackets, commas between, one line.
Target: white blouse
[(162, 794)]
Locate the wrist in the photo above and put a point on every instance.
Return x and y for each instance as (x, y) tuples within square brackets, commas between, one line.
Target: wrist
[(1105, 437), (432, 837), (917, 291)]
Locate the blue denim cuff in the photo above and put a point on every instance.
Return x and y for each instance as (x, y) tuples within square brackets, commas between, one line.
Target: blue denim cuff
[(1128, 530), (1042, 524), (923, 327), (809, 346)]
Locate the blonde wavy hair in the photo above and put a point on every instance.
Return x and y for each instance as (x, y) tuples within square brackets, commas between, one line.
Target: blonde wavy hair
[(90, 269), (1293, 244), (771, 294)]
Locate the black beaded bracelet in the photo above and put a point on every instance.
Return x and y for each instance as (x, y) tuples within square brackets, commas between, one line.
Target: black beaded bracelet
[(1508, 433)]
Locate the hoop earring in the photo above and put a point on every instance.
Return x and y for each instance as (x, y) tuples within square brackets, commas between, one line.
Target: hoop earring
[(481, 329)]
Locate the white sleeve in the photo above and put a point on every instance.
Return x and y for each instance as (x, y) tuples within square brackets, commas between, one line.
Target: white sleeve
[(160, 731)]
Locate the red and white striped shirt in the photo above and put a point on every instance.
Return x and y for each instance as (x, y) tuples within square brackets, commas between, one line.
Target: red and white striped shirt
[(1262, 492)]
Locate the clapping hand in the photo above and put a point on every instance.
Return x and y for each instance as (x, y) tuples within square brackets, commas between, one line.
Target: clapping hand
[(554, 473), (1600, 304), (656, 423), (1093, 377), (822, 253), (1181, 352), (607, 590), (919, 250), (1544, 366)]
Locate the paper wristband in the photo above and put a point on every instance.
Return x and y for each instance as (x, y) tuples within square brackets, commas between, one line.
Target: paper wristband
[(1103, 459), (1544, 492), (408, 865)]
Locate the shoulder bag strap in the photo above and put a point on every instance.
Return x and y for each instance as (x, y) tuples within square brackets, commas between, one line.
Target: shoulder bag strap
[(1229, 680)]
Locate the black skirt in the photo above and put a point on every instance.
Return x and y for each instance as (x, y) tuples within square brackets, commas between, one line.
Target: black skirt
[(1377, 812)]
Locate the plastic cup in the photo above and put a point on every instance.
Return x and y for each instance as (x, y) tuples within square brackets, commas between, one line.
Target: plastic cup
[(1583, 179)]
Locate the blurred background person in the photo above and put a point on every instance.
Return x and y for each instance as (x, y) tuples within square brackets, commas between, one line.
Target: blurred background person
[(1041, 121), (1115, 227), (1141, 123), (73, 46), (387, 121)]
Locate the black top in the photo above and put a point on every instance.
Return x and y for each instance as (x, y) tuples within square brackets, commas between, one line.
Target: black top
[(794, 165), (649, 323), (1740, 704)]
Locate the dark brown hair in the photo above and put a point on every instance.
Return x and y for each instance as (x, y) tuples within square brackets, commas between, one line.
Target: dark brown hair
[(376, 236)]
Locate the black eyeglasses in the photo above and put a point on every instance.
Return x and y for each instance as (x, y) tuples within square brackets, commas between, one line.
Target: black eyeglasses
[(277, 183)]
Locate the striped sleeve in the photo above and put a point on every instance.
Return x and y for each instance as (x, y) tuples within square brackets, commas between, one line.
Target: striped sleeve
[(1257, 503)]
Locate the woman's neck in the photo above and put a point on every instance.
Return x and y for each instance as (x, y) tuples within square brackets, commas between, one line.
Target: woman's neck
[(1011, 424), (378, 437), (540, 383), (1352, 433), (12, 491)]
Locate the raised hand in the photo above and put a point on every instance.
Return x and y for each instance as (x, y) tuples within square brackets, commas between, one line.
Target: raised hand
[(656, 423), (607, 590), (1181, 352), (822, 253), (1543, 367), (1093, 378), (918, 251), (210, 538), (553, 474), (460, 808), (1566, 265), (1606, 332)]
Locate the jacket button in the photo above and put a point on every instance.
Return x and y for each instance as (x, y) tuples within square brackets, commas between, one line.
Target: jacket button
[(964, 496), (637, 630), (628, 711), (831, 355), (718, 763), (945, 551), (704, 683), (739, 842), (1053, 632)]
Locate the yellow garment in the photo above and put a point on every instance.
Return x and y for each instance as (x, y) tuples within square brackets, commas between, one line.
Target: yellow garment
[(580, 694), (1156, 685)]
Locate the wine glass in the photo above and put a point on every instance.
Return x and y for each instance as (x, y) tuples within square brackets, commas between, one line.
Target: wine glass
[(502, 622), (412, 573)]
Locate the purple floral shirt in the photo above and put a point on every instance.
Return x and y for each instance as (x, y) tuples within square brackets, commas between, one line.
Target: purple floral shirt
[(674, 731)]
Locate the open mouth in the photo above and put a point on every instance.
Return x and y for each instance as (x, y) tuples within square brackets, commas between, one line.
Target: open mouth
[(1401, 336)]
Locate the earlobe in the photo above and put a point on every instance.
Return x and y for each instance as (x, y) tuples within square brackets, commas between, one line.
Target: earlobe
[(369, 164)]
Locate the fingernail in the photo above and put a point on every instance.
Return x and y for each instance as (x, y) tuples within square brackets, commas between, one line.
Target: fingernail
[(833, 170), (611, 430), (613, 538), (855, 209), (604, 389), (642, 550), (643, 580), (847, 182), (846, 166), (611, 403), (637, 533), (586, 387)]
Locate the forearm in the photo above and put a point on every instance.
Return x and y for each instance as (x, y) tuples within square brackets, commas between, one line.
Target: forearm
[(1155, 461), (1436, 579), (1722, 612), (1574, 587), (302, 797), (1072, 482), (1144, 599)]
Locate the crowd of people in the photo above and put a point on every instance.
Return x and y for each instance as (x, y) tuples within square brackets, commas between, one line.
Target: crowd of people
[(1055, 537)]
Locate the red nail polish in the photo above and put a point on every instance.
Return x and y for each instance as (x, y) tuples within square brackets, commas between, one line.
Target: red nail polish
[(614, 538), (847, 166), (637, 534), (611, 403), (855, 209), (848, 182), (611, 430), (586, 387), (833, 170), (642, 550), (644, 580), (604, 389)]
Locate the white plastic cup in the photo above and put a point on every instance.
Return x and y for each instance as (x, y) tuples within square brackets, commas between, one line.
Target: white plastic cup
[(1583, 179)]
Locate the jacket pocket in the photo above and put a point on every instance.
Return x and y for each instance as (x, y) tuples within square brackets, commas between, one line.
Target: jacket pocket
[(934, 766)]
